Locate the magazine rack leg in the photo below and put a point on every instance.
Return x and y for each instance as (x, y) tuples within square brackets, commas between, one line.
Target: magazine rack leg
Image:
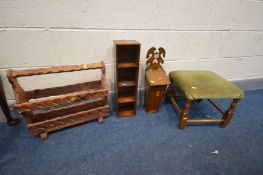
[(101, 119), (43, 136)]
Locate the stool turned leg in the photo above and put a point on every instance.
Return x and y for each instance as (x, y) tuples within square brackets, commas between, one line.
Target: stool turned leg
[(184, 115), (229, 113)]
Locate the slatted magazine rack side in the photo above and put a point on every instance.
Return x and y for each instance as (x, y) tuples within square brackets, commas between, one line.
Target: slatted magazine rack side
[(85, 101)]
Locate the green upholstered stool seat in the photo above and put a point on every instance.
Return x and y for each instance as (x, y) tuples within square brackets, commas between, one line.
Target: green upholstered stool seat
[(197, 84)]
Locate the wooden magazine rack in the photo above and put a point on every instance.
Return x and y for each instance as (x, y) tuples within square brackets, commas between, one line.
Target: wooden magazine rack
[(59, 107)]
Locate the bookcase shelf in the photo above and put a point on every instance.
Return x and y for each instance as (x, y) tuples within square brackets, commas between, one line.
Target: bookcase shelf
[(127, 69), (126, 99), (126, 109), (126, 83), (127, 113), (126, 65)]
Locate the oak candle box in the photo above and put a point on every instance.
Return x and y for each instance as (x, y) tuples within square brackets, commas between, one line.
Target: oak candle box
[(156, 80)]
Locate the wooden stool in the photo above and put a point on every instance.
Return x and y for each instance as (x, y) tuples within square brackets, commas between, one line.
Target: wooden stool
[(199, 85)]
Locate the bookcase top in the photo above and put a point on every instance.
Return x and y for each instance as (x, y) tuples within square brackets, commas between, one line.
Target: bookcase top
[(126, 42)]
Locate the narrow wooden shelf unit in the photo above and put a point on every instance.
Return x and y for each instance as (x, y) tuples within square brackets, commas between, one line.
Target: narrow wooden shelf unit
[(127, 69)]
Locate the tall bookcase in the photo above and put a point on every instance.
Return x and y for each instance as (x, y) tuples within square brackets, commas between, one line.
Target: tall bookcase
[(127, 69)]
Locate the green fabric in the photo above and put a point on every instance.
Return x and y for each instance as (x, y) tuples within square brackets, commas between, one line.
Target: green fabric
[(204, 84)]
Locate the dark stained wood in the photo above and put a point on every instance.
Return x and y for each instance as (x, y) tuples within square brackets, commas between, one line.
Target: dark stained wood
[(60, 100), (58, 112), (57, 69), (205, 121), (126, 99), (127, 65), (28, 117), (127, 113), (153, 97), (127, 74), (4, 106), (126, 42), (68, 120), (229, 113), (126, 109), (184, 114), (175, 104), (20, 93), (32, 103), (155, 58), (104, 84), (40, 93), (157, 77), (156, 80), (127, 70), (126, 83)]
